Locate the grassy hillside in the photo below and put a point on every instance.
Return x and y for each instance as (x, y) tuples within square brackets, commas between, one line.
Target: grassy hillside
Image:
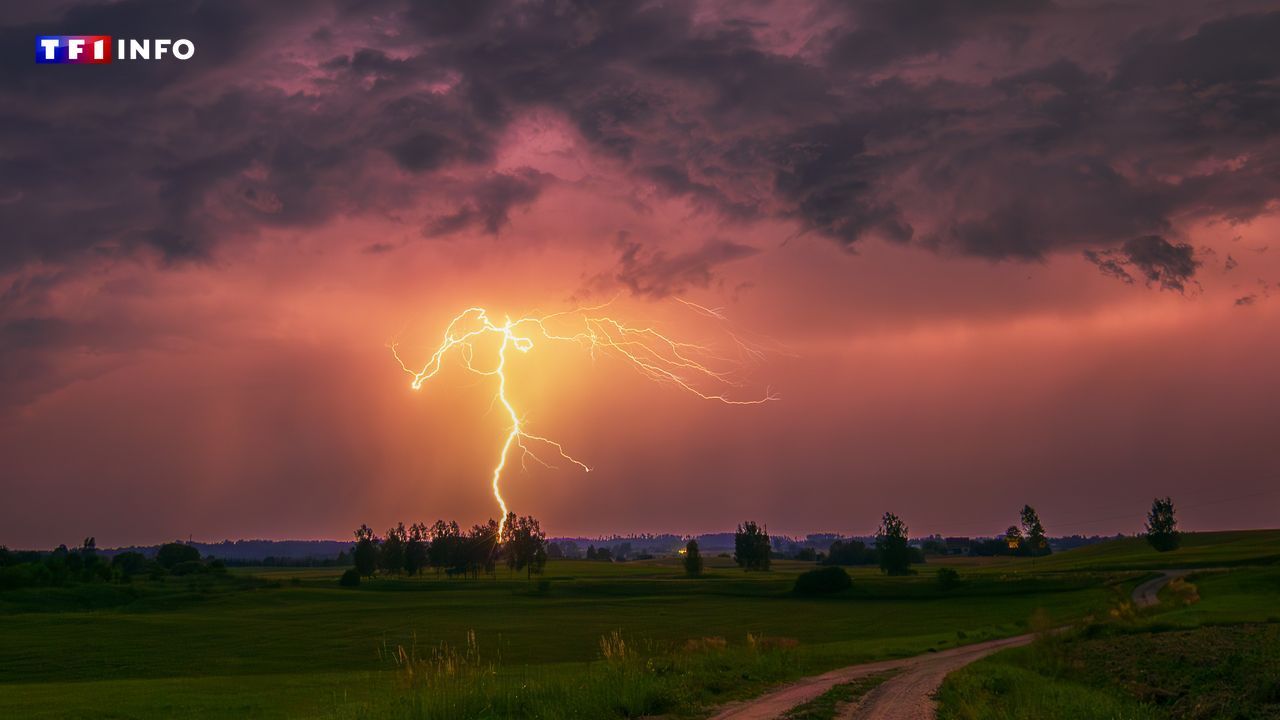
[(1207, 549), (296, 645), (1208, 653), (1126, 674), (279, 643)]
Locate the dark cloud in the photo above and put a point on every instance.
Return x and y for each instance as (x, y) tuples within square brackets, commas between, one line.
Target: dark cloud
[(1003, 130), (422, 151), (489, 203), (1089, 147), (657, 274), (880, 32), (1156, 260), (1230, 51)]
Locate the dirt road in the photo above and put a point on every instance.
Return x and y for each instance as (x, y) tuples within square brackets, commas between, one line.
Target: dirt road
[(1148, 593), (908, 695), (923, 666)]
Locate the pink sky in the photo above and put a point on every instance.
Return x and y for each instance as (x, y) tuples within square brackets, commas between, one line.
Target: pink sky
[(998, 258)]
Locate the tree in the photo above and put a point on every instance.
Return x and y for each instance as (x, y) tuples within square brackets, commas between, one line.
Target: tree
[(129, 563), (554, 551), (89, 553), (170, 554), (850, 552), (350, 578), (692, 559), (751, 546), (446, 544), (393, 545), (365, 556), (1035, 543), (415, 551), (1162, 526), (892, 547), (524, 544), (480, 548), (1013, 539)]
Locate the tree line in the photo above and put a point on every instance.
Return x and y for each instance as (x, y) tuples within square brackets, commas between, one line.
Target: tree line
[(445, 547), (85, 564), (522, 546), (894, 553)]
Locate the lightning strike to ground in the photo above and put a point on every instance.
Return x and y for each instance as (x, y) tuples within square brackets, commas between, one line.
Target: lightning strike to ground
[(653, 354)]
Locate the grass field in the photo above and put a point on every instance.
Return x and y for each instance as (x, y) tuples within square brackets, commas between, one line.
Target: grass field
[(1215, 657), (291, 643), (1216, 671), (1210, 549)]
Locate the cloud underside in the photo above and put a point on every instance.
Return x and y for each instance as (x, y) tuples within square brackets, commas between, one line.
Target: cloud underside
[(1007, 130), (889, 121)]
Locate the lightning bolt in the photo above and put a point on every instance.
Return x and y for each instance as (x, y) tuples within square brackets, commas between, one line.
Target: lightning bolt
[(653, 354)]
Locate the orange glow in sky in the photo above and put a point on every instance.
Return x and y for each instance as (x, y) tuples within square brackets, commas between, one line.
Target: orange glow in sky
[(653, 354)]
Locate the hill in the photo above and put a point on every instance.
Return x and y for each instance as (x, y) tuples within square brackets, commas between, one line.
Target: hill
[(1204, 549)]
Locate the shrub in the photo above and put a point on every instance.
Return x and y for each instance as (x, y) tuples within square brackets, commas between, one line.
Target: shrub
[(823, 581), (171, 554), (692, 559), (130, 563), (948, 578), (187, 567), (850, 552), (350, 578)]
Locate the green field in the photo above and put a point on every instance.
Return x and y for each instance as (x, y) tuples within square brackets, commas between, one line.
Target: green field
[(1216, 657), (279, 643), (1210, 549)]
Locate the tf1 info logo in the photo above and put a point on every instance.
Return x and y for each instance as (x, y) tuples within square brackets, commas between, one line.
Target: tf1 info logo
[(98, 49)]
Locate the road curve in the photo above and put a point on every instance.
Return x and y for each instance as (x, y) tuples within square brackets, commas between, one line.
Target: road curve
[(767, 707), (1148, 593), (908, 695)]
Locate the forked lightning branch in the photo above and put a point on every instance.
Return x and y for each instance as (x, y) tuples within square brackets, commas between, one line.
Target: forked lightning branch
[(691, 367)]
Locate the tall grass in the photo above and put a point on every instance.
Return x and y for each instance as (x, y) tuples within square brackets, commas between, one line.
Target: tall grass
[(630, 679)]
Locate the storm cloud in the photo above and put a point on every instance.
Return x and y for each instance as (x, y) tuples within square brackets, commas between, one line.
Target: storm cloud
[(1009, 131), (961, 128)]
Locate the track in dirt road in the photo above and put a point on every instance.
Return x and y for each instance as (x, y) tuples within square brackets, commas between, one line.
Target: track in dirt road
[(908, 695), (1148, 593)]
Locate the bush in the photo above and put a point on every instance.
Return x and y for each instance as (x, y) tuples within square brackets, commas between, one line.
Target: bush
[(187, 567), (350, 578), (948, 578), (172, 554), (692, 559), (824, 581), (850, 552), (130, 563)]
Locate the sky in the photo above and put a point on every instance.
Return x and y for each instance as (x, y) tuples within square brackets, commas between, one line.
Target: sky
[(982, 253)]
